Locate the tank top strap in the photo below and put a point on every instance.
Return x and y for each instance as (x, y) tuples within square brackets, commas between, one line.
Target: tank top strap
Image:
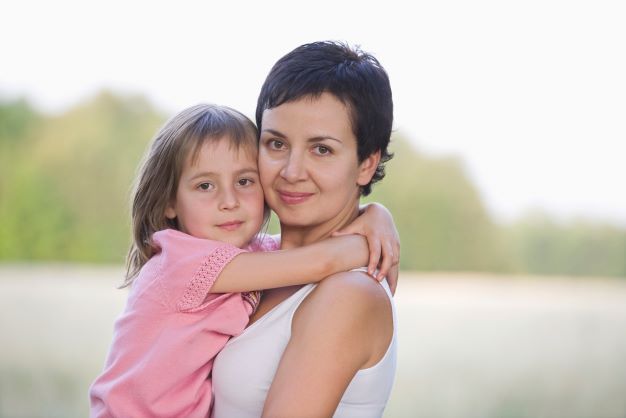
[(283, 312)]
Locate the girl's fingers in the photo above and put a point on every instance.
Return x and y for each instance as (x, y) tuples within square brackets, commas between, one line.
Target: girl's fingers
[(392, 278), (374, 246), (396, 254), (386, 263)]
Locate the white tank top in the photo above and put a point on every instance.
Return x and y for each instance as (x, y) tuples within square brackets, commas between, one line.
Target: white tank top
[(243, 371)]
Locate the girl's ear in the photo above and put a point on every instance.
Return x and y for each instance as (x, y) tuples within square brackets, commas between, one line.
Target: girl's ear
[(170, 212), (367, 168)]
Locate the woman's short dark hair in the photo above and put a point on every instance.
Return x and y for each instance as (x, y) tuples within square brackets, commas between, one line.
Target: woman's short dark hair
[(354, 77)]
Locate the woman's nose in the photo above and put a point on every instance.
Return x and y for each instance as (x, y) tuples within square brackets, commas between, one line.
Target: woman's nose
[(294, 169)]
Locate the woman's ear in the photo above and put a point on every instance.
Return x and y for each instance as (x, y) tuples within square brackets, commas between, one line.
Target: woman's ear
[(367, 168)]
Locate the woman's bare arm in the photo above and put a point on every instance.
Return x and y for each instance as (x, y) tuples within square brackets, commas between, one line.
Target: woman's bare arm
[(343, 326), (308, 264)]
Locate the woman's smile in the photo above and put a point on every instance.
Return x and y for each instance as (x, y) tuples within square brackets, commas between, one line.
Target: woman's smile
[(293, 198)]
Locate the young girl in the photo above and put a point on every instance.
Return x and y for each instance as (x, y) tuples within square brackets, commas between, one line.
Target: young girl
[(194, 264)]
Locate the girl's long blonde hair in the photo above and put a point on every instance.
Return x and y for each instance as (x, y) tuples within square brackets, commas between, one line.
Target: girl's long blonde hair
[(159, 173)]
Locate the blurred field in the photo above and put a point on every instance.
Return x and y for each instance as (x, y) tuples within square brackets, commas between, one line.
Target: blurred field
[(475, 346)]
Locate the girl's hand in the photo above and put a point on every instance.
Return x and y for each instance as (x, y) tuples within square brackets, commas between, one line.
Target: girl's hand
[(376, 224)]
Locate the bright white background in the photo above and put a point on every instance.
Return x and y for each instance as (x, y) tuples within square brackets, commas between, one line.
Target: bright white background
[(530, 94)]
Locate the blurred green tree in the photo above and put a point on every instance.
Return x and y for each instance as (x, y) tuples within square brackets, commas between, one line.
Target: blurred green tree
[(65, 183), (578, 248), (441, 218), (67, 197)]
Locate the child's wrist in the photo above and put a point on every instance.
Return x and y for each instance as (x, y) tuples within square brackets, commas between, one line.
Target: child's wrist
[(356, 252)]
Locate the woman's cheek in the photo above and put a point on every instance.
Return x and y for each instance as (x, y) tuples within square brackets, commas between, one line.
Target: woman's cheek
[(269, 164)]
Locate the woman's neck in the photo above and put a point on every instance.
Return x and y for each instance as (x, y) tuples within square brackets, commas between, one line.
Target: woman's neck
[(298, 236)]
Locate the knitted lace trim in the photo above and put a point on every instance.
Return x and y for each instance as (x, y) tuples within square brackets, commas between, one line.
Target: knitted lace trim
[(203, 279)]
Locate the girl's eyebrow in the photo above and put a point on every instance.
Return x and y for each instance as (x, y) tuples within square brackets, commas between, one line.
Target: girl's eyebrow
[(312, 139), (245, 170)]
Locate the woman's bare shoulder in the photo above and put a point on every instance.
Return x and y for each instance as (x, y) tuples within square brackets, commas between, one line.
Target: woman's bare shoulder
[(352, 311), (348, 297), (352, 287)]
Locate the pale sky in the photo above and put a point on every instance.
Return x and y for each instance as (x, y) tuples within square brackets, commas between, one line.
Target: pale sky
[(531, 95)]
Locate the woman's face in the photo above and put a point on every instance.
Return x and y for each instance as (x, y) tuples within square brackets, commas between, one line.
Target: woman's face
[(308, 162)]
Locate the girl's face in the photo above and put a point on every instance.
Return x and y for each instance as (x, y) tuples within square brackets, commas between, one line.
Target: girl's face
[(219, 196), (308, 162)]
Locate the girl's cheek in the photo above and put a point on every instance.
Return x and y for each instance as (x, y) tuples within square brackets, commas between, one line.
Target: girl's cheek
[(253, 196)]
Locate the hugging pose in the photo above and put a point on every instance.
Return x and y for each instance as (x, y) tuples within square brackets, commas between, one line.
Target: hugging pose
[(224, 320)]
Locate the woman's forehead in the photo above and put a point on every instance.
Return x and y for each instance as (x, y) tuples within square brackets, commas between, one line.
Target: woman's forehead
[(320, 115)]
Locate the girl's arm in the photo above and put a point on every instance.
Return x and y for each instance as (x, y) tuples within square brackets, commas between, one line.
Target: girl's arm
[(375, 222), (308, 264)]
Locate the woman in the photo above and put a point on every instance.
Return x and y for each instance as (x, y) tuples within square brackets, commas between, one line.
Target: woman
[(325, 115)]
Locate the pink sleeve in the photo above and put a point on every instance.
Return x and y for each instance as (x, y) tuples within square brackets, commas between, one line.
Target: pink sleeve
[(166, 339), (190, 266)]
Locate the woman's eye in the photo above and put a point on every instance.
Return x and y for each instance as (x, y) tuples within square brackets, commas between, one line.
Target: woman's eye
[(205, 186), (245, 182), (276, 144), (322, 150)]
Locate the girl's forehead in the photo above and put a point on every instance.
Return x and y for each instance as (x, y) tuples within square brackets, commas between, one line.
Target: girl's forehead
[(224, 147)]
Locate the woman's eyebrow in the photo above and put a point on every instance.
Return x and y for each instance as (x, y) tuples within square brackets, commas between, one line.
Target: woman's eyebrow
[(274, 132), (315, 138), (323, 137)]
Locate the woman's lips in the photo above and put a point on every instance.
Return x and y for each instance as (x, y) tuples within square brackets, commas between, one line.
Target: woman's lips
[(231, 226), (293, 198)]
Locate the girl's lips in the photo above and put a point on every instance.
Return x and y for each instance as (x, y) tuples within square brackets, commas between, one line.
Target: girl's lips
[(230, 226), (293, 198)]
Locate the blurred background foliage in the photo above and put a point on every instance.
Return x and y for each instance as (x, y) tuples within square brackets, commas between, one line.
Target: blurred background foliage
[(65, 181)]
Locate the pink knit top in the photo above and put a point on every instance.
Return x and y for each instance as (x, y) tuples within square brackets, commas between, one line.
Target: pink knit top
[(165, 341)]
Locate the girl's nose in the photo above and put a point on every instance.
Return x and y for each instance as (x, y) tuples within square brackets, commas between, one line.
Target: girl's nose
[(228, 199)]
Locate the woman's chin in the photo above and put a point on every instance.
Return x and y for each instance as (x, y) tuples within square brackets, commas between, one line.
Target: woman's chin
[(296, 218)]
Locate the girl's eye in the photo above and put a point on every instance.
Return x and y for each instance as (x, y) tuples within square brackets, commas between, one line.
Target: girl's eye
[(206, 186), (245, 182), (322, 150)]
